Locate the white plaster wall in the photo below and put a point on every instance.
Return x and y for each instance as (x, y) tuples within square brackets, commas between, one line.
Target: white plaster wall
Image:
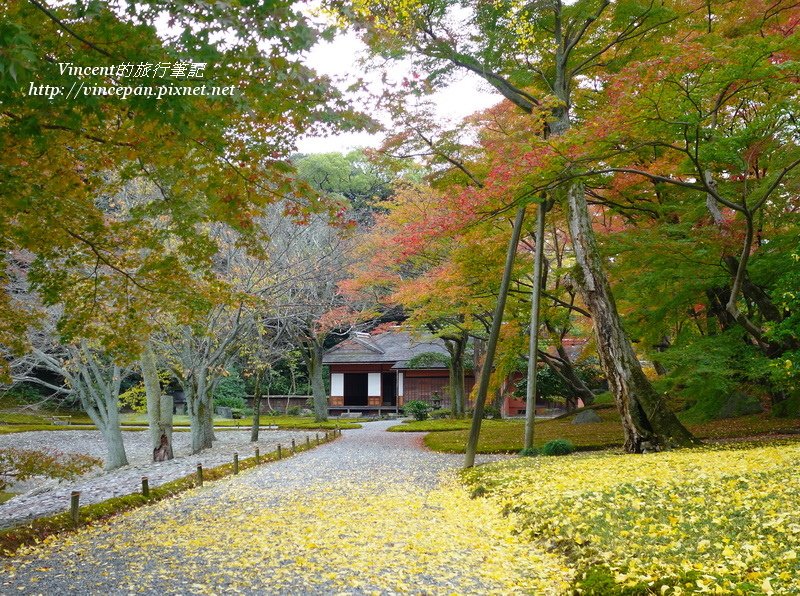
[(374, 384), (337, 385)]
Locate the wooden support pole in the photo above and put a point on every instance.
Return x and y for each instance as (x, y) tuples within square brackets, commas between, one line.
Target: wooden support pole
[(317, 438), (258, 457), (308, 441), (74, 506), (294, 447), (145, 487), (235, 462), (533, 344), (199, 474), (491, 346), (279, 452)]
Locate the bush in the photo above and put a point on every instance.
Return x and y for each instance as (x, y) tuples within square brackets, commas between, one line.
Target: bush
[(558, 447), (440, 413), (418, 409), (491, 412), (294, 411), (230, 390), (529, 452), (21, 464), (22, 394), (134, 398), (788, 408)]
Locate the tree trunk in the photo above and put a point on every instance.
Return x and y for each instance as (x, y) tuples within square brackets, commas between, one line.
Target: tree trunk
[(116, 448), (491, 346), (562, 366), (106, 418), (456, 346), (313, 354), (457, 393), (159, 407), (256, 426), (646, 420), (201, 413)]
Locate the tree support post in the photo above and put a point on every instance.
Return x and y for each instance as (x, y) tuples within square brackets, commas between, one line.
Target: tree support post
[(491, 347), (533, 346)]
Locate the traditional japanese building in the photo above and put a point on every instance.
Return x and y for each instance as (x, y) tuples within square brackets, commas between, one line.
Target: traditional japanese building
[(379, 373)]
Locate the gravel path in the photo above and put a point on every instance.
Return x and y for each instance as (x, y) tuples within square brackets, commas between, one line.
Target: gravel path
[(372, 512), (52, 496)]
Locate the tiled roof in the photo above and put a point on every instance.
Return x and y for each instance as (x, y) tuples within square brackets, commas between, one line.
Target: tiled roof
[(390, 346)]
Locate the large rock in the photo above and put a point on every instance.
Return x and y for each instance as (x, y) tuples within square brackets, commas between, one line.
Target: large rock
[(739, 404), (224, 412), (586, 417)]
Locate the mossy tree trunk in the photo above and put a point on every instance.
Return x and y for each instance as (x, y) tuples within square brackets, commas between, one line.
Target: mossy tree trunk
[(256, 425), (159, 407)]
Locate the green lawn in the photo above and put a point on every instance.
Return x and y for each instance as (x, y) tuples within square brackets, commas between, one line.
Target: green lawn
[(15, 422), (15, 417), (716, 519), (288, 422), (506, 436)]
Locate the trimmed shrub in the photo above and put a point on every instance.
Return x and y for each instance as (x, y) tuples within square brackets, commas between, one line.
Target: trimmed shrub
[(418, 409), (558, 447), (492, 413), (529, 452), (440, 413)]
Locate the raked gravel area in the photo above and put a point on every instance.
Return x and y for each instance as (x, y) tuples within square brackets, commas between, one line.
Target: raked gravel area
[(52, 496), (369, 513)]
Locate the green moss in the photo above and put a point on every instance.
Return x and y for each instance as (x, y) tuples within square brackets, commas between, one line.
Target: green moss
[(437, 425), (6, 429), (604, 398), (506, 436), (283, 422)]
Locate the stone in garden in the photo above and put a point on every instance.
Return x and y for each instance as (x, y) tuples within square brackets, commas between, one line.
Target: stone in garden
[(224, 412), (586, 417), (739, 404)]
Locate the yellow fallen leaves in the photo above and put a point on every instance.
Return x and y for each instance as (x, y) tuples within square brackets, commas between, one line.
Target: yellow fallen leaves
[(721, 520), (376, 537)]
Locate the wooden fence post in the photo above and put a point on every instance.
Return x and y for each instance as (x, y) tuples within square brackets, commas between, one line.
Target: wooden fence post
[(257, 456), (294, 447), (145, 487), (199, 474), (235, 462), (74, 506), (279, 452)]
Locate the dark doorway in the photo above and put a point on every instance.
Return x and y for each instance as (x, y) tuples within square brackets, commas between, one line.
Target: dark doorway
[(389, 388), (355, 389)]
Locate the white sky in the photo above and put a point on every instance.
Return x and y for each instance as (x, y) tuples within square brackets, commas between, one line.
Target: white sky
[(339, 60)]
